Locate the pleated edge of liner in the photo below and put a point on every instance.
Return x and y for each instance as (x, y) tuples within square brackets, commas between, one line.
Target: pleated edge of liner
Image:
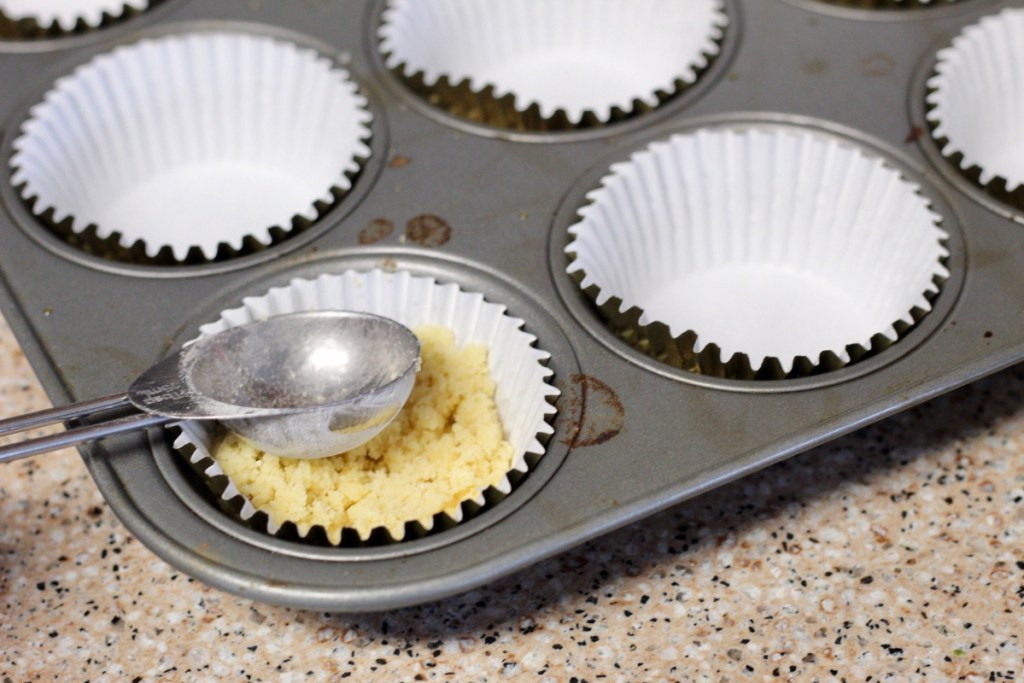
[(32, 28), (112, 247), (655, 339), (234, 503), (488, 106), (889, 4), (998, 187)]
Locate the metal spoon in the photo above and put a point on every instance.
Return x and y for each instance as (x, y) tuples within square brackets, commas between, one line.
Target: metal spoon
[(302, 385)]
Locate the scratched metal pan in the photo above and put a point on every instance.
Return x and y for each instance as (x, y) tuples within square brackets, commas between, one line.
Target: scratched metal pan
[(489, 210)]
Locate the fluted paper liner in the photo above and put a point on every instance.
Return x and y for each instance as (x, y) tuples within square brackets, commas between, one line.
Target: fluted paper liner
[(751, 253), (522, 393), (32, 19), (192, 147), (976, 98), (538, 65)]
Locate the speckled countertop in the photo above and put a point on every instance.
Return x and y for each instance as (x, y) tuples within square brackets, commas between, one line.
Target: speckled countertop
[(895, 553)]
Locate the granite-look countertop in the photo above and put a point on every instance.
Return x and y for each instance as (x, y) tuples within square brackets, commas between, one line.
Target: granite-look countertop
[(893, 554)]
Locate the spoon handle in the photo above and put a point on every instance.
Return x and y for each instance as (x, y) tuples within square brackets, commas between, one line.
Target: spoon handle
[(89, 432), (49, 416)]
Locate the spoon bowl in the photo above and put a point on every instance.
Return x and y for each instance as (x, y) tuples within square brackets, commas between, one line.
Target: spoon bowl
[(302, 385)]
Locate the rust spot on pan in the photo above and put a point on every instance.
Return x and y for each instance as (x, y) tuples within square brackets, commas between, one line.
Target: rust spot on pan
[(376, 230), (601, 413), (399, 161), (877, 64), (428, 230)]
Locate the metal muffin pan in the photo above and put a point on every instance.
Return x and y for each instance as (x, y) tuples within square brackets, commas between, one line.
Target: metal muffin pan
[(631, 436)]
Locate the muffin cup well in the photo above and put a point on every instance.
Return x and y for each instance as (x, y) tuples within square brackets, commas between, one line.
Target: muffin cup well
[(522, 395), (975, 98), (539, 66), (192, 147), (753, 253)]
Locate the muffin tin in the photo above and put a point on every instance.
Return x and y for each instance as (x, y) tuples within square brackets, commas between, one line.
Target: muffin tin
[(490, 208)]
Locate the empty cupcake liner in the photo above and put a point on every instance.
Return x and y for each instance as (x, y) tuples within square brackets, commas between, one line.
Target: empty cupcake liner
[(975, 99), (536, 65), (192, 148), (30, 19), (523, 394), (757, 253)]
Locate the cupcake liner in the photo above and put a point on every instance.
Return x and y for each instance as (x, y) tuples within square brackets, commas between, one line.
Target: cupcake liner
[(29, 19), (757, 253), (975, 99), (191, 148), (523, 395), (536, 65)]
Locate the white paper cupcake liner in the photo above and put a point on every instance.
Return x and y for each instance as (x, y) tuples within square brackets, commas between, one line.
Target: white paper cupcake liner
[(198, 146), (546, 65), (38, 18), (976, 98), (523, 395), (758, 253)]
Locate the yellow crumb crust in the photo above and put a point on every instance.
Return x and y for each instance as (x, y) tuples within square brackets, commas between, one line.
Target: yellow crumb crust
[(444, 447)]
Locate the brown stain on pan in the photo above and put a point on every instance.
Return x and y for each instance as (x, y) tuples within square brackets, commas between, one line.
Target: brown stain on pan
[(913, 135), (602, 415), (388, 265), (428, 230), (877, 64), (376, 230)]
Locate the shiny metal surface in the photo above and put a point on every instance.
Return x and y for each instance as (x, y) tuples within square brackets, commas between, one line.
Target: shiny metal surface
[(304, 385)]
